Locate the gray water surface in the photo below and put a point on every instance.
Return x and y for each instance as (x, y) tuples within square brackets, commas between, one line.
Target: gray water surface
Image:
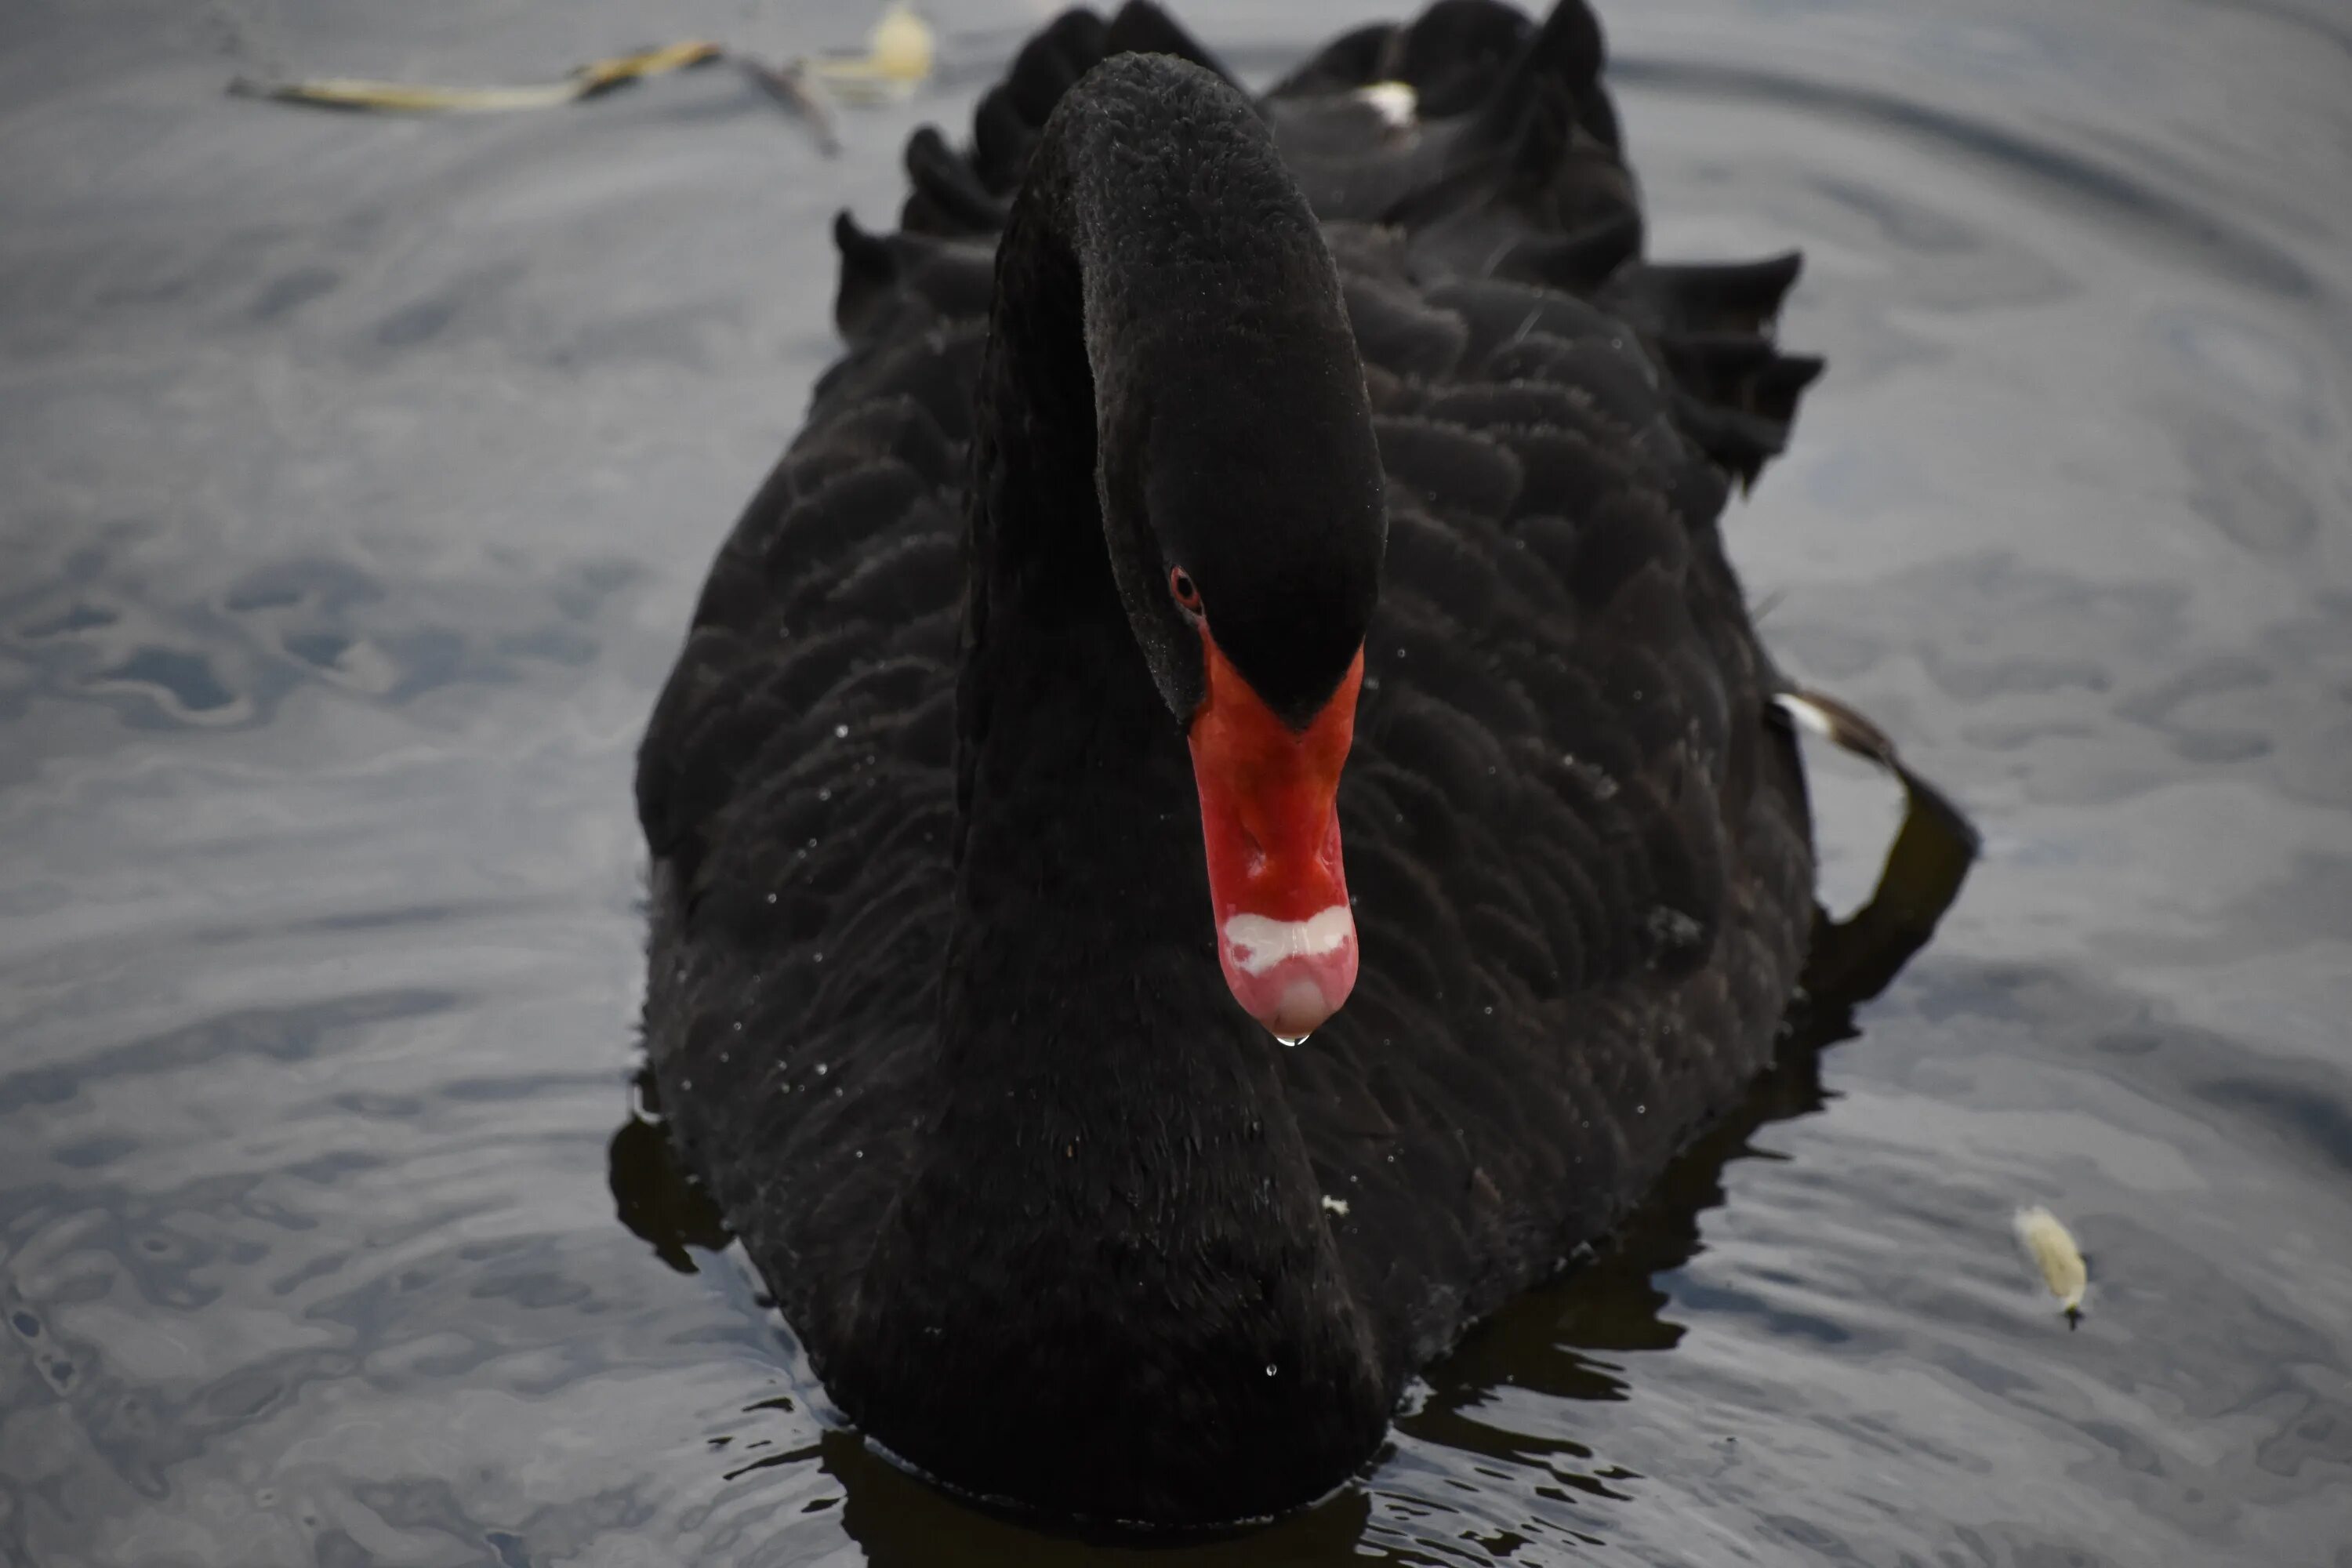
[(356, 477)]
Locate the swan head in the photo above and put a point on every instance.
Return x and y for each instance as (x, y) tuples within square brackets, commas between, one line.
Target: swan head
[(1252, 583), (1237, 477)]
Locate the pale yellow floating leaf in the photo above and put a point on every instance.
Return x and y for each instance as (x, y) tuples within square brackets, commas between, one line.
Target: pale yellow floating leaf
[(598, 75), (408, 98), (405, 98), (2052, 1248)]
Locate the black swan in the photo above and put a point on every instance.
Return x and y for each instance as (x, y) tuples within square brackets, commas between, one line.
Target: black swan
[(1188, 447)]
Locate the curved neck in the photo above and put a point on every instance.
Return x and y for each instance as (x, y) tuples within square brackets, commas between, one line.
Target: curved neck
[(1170, 372), (1169, 362), (1171, 378), (1136, 286), (1107, 1144)]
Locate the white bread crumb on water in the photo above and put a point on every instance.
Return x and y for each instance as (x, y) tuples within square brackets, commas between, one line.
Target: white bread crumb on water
[(2048, 1243), (899, 55), (901, 46)]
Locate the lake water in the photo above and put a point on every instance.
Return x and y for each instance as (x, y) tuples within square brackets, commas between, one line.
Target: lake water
[(356, 476)]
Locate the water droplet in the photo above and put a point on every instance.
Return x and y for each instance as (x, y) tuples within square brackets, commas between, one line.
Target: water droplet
[(739, 1026), (1490, 1010), (1641, 1110), (818, 958), (811, 843), (1269, 1368), (826, 793), (841, 731), (820, 1069), (772, 897), (1292, 1039)]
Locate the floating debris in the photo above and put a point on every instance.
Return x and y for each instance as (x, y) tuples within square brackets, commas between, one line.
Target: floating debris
[(2052, 1250), (899, 56), (897, 60), (355, 93), (792, 86)]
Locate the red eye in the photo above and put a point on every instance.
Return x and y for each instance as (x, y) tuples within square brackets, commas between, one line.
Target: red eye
[(1180, 585)]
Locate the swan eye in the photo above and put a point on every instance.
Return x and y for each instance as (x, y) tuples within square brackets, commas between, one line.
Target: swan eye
[(1182, 589)]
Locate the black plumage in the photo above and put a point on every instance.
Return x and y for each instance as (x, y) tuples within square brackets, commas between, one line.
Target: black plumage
[(934, 1000)]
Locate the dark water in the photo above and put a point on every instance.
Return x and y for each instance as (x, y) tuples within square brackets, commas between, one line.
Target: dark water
[(356, 478)]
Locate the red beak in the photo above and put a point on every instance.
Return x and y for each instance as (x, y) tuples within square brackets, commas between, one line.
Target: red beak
[(1270, 819)]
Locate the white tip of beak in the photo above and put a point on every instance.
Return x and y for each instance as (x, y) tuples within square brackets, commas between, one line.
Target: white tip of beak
[(1291, 975)]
